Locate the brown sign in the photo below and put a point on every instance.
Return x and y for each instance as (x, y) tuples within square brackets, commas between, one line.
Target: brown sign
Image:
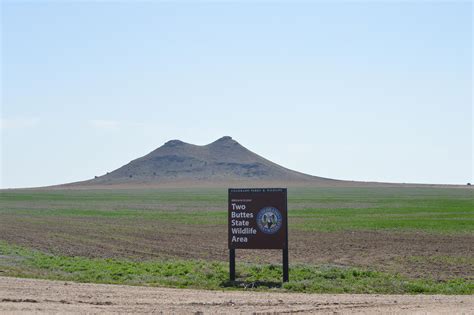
[(258, 218)]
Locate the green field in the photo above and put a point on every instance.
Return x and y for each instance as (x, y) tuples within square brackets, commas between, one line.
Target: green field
[(383, 240), (325, 209)]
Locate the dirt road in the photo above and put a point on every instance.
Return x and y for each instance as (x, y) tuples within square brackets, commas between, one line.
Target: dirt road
[(42, 296)]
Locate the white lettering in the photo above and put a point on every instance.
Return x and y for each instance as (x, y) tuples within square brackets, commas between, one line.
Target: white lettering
[(241, 215), (236, 239), (238, 207), (240, 223)]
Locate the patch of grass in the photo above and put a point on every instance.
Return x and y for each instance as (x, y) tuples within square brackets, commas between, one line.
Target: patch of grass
[(22, 262), (435, 219), (183, 217)]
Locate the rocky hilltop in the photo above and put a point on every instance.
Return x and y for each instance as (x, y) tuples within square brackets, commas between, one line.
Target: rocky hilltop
[(224, 160)]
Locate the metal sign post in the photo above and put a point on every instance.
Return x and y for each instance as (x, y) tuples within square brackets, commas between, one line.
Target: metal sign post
[(258, 219)]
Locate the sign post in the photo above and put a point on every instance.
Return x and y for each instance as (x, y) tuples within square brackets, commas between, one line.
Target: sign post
[(258, 219)]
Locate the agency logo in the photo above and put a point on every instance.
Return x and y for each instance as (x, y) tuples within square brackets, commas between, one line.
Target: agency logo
[(269, 220)]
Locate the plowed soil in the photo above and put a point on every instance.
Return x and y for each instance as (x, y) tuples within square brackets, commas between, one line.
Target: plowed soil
[(415, 254)]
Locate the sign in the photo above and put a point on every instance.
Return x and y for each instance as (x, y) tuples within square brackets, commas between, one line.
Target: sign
[(258, 219)]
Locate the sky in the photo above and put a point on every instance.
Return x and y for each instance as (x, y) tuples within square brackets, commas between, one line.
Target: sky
[(370, 91)]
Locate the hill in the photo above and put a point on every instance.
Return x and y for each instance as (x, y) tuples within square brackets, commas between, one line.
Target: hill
[(224, 160)]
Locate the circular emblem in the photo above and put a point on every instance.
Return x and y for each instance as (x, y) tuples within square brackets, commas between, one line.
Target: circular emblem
[(269, 220)]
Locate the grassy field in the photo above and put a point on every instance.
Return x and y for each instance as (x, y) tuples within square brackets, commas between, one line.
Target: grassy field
[(417, 209), (384, 240), (214, 275)]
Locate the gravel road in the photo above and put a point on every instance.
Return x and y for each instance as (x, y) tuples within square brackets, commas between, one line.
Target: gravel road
[(43, 296)]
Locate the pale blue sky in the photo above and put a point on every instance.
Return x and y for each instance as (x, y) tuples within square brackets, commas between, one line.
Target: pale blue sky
[(374, 91)]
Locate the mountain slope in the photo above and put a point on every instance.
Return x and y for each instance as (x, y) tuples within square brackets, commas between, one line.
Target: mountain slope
[(223, 160)]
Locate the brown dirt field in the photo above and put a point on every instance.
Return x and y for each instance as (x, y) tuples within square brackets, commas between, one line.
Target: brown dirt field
[(47, 297), (413, 254)]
